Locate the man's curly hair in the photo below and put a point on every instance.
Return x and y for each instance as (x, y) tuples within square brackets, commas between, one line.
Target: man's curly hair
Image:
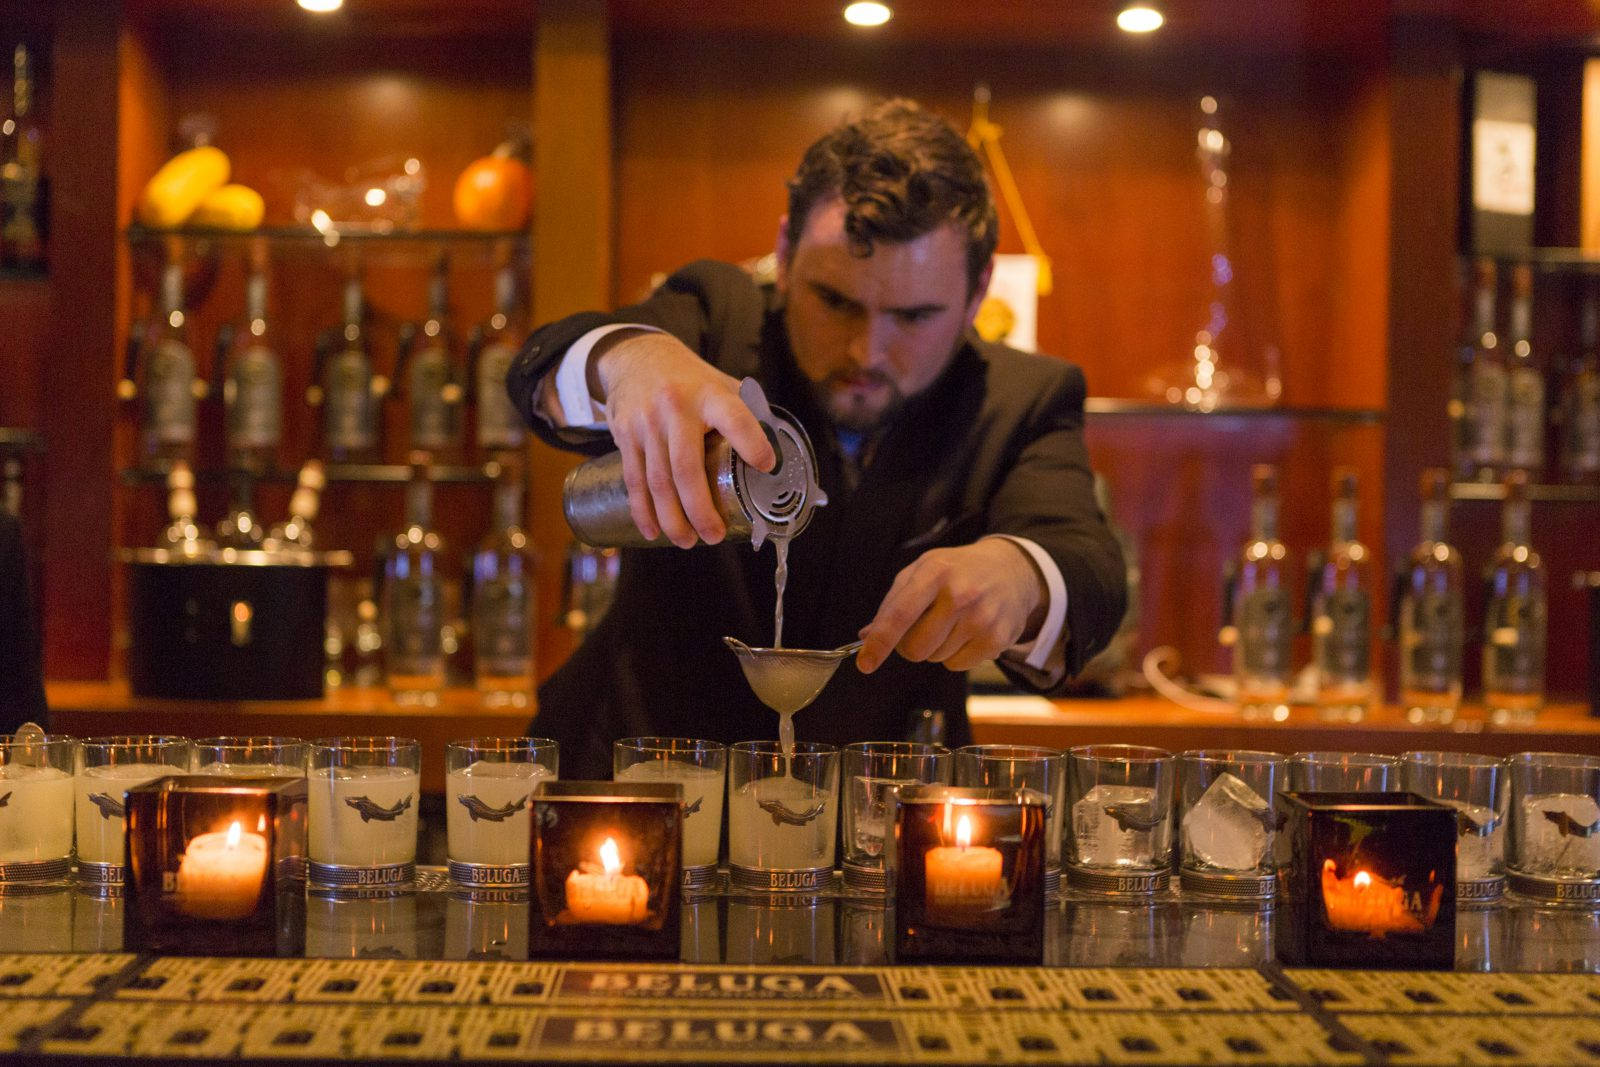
[(902, 172)]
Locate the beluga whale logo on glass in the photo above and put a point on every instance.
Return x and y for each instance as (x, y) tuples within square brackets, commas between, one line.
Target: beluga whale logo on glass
[(477, 809), (369, 808)]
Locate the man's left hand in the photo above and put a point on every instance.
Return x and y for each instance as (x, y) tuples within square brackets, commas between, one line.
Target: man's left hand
[(957, 606)]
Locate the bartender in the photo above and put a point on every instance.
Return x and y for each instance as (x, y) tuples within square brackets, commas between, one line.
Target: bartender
[(961, 523)]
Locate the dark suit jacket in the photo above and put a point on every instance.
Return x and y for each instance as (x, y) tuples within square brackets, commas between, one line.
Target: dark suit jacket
[(994, 446), (21, 680)]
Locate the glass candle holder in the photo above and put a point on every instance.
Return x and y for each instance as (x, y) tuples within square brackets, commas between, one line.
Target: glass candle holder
[(874, 773), (1343, 772), (361, 803), (782, 816), (204, 852), (1228, 822), (1555, 827), (1370, 883), (107, 768), (488, 790), (606, 858), (248, 757), (1121, 826), (1477, 787), (1031, 767), (969, 875), (701, 768), (36, 810)]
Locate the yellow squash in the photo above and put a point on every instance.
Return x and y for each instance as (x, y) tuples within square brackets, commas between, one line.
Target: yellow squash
[(180, 185), (232, 207)]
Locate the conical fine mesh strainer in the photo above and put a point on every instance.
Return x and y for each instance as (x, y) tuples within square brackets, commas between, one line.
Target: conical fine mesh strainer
[(787, 679)]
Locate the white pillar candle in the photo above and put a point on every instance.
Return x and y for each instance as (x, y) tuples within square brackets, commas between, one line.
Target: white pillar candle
[(221, 874), (605, 894)]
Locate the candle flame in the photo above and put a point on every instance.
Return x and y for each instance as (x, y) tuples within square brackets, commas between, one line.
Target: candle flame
[(1362, 880), (234, 833), (261, 824), (609, 857), (963, 831)]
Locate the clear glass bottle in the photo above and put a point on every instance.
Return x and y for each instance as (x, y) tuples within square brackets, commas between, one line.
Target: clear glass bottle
[(296, 530), (1432, 613), (182, 536), (503, 593), (1481, 443), (252, 392), (169, 385), (346, 387), (498, 427), (426, 369), (1263, 617), (1525, 391), (21, 172), (1515, 619), (1580, 422), (239, 528), (413, 599), (1341, 625)]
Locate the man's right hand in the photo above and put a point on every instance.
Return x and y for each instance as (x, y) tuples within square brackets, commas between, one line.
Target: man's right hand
[(661, 400)]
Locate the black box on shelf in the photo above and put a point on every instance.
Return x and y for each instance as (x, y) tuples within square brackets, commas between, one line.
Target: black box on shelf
[(1371, 882)]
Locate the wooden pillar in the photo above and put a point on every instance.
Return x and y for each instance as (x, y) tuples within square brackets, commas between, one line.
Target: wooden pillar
[(572, 241)]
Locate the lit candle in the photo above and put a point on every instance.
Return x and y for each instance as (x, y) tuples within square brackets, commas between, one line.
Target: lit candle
[(1367, 904), (221, 874), (604, 894), (963, 876)]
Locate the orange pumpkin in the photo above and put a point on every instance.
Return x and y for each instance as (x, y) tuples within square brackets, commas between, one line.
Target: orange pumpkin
[(494, 193)]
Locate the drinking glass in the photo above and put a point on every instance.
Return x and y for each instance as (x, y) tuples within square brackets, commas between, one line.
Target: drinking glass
[(248, 757), (1229, 822), (701, 768), (1032, 767), (488, 782), (1343, 772), (782, 816), (1476, 787), (107, 768), (36, 809), (1555, 827), (873, 773), (1121, 839), (361, 798)]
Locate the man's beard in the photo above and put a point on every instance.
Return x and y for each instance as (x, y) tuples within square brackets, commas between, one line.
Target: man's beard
[(846, 408)]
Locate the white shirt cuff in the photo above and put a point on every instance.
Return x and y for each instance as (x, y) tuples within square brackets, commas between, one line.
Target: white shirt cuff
[(578, 408), (1036, 653)]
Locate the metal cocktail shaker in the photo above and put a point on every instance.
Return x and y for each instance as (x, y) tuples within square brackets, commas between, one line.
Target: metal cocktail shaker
[(754, 504)]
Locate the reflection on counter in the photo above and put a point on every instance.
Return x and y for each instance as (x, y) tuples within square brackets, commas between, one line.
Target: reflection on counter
[(852, 931)]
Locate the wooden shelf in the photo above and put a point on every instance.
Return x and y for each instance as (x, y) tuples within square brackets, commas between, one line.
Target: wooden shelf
[(1145, 409), (1555, 494), (98, 709), (365, 473), (1156, 721)]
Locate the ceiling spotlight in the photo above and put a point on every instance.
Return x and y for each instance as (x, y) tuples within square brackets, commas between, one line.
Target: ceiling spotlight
[(320, 7), (1139, 18), (867, 13)]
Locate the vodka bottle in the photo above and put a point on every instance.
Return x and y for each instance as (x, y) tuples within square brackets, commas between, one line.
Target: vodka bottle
[(1483, 387), (21, 173), (1262, 617), (1515, 620), (296, 530), (1431, 613), (502, 603), (346, 387), (169, 385), (1341, 624), (427, 370), (498, 426), (413, 599), (1525, 414), (182, 536), (1580, 422), (252, 392)]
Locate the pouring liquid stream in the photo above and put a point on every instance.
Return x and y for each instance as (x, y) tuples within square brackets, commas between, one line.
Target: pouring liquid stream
[(780, 545)]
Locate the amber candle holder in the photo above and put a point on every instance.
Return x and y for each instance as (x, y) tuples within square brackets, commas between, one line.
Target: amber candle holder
[(1371, 882), (606, 862), (210, 865), (969, 875)]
